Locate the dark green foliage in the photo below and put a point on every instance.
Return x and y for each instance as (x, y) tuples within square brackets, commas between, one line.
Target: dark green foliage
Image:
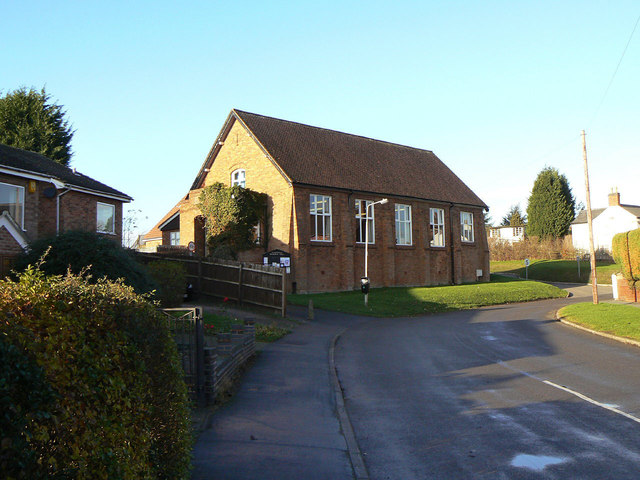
[(230, 214), (551, 207), (28, 120), (78, 250), (626, 252), (514, 217), (26, 400), (171, 280), (119, 408)]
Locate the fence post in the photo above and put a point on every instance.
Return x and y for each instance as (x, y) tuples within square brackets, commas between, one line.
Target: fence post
[(240, 285), (284, 293), (200, 377)]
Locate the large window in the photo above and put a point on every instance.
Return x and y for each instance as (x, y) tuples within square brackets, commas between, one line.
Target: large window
[(403, 224), (238, 177), (466, 226), (436, 227), (364, 219), (12, 201), (106, 218), (320, 209), (174, 238)]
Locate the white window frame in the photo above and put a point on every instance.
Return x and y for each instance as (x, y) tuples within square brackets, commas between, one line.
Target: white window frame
[(466, 227), (436, 227), (241, 179), (113, 209), (320, 207), (367, 221), (174, 237), (257, 233), (403, 225), (20, 204)]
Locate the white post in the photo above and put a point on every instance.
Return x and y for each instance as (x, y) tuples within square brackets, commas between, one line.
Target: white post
[(366, 241)]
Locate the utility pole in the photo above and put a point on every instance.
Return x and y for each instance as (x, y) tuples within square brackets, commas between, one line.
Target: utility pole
[(592, 252)]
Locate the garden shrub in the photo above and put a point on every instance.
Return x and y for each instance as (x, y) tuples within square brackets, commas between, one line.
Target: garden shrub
[(119, 408), (26, 400), (532, 247), (626, 252), (78, 250), (171, 281)]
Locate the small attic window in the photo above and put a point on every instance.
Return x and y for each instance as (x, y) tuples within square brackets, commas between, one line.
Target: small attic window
[(238, 177)]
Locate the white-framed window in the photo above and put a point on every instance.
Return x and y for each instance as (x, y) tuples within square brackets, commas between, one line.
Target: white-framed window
[(518, 231), (174, 238), (466, 226), (106, 218), (12, 201), (436, 227), (364, 219), (403, 224), (320, 210), (238, 177)]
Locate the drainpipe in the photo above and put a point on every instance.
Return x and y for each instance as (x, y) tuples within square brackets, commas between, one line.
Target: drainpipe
[(453, 254), (58, 210)]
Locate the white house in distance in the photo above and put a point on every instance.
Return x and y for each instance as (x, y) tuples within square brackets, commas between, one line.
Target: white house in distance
[(508, 233), (607, 222)]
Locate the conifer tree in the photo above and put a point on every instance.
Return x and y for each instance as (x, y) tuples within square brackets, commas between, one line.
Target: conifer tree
[(551, 207)]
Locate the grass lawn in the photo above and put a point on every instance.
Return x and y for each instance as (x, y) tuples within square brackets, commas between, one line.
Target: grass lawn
[(620, 320), (406, 301), (558, 270)]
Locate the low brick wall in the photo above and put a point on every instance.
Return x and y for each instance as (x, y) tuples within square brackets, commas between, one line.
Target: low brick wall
[(625, 292), (224, 356)]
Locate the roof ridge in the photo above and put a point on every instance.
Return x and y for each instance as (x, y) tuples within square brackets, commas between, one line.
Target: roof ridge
[(334, 131)]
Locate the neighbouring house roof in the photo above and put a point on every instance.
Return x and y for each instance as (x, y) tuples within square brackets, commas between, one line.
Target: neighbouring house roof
[(23, 163), (315, 156), (595, 212), (172, 216)]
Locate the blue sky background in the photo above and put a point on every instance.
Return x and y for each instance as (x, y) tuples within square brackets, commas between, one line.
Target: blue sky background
[(497, 89)]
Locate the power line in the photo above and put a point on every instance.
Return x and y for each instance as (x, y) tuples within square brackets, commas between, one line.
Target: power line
[(615, 71)]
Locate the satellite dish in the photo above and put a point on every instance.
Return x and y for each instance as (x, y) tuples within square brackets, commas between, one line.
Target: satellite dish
[(50, 192)]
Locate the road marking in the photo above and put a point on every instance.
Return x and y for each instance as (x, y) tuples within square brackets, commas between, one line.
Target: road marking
[(595, 402), (606, 406)]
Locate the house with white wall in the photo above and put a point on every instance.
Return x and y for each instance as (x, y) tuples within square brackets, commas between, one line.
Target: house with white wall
[(507, 233), (607, 222)]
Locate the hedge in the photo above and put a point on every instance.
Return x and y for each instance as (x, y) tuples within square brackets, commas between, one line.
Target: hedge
[(171, 279), (118, 407), (78, 250), (626, 252)]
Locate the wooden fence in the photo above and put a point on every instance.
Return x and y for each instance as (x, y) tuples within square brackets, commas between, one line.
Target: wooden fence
[(262, 285)]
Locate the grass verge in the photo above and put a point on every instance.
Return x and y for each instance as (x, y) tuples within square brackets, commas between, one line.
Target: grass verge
[(214, 323), (558, 270), (620, 320), (407, 301)]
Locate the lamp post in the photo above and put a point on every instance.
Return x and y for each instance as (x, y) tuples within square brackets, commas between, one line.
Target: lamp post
[(365, 280)]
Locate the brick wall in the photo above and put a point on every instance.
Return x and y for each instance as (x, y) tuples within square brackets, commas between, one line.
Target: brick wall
[(77, 211), (339, 264)]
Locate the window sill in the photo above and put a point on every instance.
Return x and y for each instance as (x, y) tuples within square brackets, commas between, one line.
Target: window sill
[(320, 243), (106, 233)]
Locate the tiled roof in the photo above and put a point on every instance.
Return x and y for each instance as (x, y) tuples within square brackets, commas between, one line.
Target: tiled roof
[(155, 232), (23, 161), (326, 158), (582, 215)]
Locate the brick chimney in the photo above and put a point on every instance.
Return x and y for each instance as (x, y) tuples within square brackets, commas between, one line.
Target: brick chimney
[(614, 198)]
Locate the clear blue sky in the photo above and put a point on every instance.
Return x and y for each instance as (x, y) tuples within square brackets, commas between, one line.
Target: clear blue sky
[(497, 89)]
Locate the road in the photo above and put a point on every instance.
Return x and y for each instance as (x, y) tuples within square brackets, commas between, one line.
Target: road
[(497, 393)]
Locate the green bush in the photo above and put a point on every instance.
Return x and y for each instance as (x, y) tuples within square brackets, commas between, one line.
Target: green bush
[(78, 250), (626, 252), (26, 400), (120, 408), (171, 280)]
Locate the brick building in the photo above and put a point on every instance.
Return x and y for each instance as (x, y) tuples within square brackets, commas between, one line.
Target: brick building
[(39, 198), (319, 183)]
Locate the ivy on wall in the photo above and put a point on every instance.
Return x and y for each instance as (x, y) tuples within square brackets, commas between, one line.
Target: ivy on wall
[(231, 215)]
